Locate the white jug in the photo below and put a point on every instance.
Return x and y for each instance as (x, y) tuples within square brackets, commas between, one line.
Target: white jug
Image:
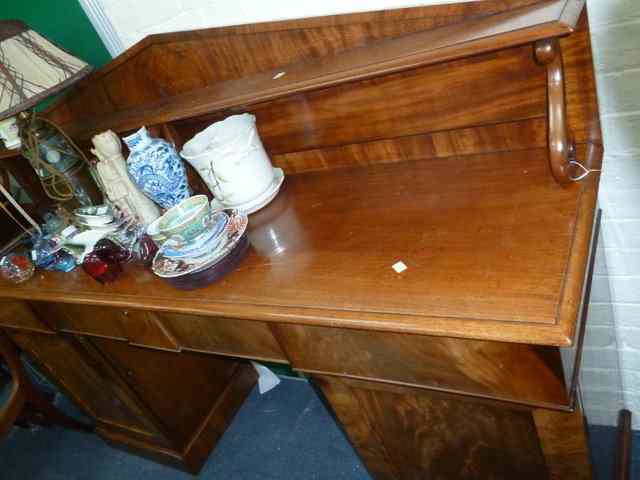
[(231, 159)]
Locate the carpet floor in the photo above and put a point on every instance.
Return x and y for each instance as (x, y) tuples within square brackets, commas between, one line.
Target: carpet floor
[(285, 434)]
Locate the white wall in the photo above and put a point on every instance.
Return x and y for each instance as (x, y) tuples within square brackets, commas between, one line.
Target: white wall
[(615, 34), (613, 336)]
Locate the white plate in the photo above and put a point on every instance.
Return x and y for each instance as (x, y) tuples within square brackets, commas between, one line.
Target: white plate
[(259, 202)]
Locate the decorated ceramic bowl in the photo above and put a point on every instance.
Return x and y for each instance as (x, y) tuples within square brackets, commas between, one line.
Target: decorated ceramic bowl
[(186, 220), (168, 267), (203, 243)]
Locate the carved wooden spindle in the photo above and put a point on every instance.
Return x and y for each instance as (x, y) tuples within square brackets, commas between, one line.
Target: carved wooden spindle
[(561, 143)]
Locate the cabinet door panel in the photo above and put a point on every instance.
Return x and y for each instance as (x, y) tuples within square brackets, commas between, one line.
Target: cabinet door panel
[(144, 425), (181, 389), (412, 434), (87, 382)]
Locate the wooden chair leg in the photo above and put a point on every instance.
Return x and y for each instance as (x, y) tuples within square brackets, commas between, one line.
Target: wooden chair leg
[(623, 459)]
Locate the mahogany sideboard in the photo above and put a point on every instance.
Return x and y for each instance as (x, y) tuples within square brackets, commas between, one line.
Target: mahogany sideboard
[(445, 137)]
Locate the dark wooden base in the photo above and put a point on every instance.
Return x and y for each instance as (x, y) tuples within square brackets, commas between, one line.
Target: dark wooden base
[(194, 456), (410, 434)]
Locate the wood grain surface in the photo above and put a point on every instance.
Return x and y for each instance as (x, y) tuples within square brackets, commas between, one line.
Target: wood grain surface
[(563, 439), (227, 53), (471, 37), (416, 135), (495, 250), (518, 373), (405, 434), (98, 393)]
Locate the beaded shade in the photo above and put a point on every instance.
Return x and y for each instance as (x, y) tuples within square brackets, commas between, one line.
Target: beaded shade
[(32, 68)]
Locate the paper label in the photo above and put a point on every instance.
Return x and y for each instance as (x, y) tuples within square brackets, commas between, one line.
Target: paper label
[(399, 267)]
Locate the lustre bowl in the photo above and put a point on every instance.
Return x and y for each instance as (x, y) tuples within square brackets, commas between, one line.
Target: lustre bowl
[(186, 220)]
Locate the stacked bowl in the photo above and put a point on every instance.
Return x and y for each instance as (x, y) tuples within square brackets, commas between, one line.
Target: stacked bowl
[(198, 245)]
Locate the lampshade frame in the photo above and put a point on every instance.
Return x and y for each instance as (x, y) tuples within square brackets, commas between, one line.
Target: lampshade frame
[(14, 83)]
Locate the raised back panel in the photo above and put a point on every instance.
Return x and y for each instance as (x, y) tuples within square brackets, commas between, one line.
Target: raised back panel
[(485, 103), (169, 64)]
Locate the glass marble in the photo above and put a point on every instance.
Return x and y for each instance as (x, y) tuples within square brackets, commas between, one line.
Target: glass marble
[(16, 267)]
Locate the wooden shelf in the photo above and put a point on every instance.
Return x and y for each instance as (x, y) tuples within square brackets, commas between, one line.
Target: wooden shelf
[(545, 20), (495, 249)]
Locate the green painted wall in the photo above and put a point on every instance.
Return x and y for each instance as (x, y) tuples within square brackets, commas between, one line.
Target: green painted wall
[(62, 21)]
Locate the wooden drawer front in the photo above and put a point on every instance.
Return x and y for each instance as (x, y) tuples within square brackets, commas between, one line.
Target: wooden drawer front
[(87, 380), (147, 329), (83, 319), (508, 371), (224, 336), (17, 314)]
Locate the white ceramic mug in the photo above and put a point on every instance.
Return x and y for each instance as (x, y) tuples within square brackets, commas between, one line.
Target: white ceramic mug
[(230, 158)]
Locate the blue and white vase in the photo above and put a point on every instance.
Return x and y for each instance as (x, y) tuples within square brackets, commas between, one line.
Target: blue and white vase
[(154, 165)]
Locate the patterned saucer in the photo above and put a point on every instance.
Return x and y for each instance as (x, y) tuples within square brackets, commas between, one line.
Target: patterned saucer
[(167, 267)]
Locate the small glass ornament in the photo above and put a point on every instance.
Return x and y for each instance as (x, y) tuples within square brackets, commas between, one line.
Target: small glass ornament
[(101, 271), (16, 267), (146, 250), (61, 261), (112, 252)]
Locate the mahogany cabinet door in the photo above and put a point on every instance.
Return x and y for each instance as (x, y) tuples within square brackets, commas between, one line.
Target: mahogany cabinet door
[(181, 389), (89, 382), (403, 433)]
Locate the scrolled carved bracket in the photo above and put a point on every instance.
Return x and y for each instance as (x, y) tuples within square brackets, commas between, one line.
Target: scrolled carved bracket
[(561, 143)]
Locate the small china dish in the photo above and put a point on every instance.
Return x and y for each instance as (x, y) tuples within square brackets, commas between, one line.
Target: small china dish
[(166, 266), (93, 215), (92, 211), (94, 222), (186, 220)]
